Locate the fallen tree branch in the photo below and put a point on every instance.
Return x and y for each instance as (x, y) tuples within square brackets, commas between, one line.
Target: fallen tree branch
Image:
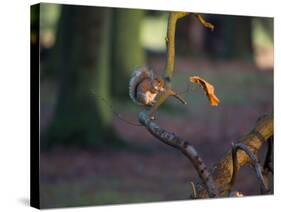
[(185, 147), (222, 171)]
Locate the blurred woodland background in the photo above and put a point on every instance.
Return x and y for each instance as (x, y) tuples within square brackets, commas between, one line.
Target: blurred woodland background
[(87, 54)]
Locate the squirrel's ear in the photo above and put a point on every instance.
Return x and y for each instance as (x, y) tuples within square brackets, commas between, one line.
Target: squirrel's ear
[(158, 76)]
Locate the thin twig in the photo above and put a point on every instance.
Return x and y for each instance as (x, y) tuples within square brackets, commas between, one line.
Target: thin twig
[(170, 42), (194, 193), (185, 147), (116, 114), (268, 165), (234, 169), (203, 22), (170, 60), (254, 160)]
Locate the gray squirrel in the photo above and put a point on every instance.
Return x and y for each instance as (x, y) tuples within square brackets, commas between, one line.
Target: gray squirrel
[(144, 86)]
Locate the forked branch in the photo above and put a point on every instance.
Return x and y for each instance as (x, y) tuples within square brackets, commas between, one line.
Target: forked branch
[(170, 60), (222, 171), (255, 163), (170, 39), (216, 182)]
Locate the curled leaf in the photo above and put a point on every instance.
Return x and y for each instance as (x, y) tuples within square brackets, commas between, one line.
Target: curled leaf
[(208, 88)]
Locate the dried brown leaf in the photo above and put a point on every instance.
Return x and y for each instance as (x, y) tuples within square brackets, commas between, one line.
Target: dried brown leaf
[(208, 88)]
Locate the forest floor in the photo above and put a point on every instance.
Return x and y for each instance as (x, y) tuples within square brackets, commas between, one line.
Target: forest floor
[(152, 171)]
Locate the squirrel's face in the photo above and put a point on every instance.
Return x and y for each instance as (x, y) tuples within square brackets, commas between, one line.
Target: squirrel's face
[(158, 84)]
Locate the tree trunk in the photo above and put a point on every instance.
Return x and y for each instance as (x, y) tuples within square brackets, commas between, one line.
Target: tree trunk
[(82, 48), (231, 39), (127, 49), (238, 37)]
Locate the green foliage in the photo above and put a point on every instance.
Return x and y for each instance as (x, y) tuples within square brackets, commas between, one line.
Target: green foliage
[(49, 15), (263, 31)]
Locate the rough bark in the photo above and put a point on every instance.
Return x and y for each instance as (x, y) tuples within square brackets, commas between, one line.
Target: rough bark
[(222, 171), (218, 182), (185, 147)]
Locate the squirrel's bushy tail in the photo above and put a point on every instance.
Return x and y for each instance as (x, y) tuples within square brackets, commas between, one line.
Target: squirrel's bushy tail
[(137, 77)]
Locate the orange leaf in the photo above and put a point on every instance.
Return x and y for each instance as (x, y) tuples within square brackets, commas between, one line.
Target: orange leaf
[(208, 88)]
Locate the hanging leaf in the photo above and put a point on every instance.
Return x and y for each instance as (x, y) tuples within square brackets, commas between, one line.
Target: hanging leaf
[(208, 88)]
